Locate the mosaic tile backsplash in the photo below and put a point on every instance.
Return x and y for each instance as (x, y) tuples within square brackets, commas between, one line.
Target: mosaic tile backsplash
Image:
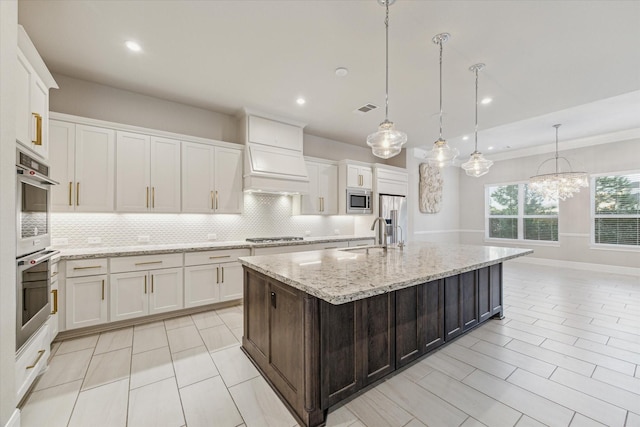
[(263, 216)]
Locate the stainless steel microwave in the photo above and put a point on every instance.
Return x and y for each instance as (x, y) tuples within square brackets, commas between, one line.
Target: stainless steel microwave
[(359, 202)]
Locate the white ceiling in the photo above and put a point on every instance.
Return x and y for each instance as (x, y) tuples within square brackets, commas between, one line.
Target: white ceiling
[(570, 62)]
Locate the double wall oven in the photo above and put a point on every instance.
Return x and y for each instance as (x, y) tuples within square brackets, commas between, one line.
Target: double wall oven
[(33, 258)]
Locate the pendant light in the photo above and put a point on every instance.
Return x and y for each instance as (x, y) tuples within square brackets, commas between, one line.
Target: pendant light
[(441, 154), (558, 185), (477, 165), (387, 141)]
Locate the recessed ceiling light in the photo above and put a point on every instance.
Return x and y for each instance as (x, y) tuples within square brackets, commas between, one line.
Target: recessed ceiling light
[(464, 138), (486, 101), (133, 46), (300, 101), (341, 71)]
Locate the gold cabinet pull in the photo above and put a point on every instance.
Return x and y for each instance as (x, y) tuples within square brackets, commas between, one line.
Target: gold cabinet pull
[(55, 301), (78, 193), (145, 284), (220, 256), (222, 274), (70, 191), (38, 140), (211, 194), (152, 283), (40, 354), (216, 199), (217, 274), (331, 247), (147, 263), (153, 197), (147, 196), (87, 267), (102, 290)]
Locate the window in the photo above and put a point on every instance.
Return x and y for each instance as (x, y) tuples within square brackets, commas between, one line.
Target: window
[(514, 212), (616, 209)]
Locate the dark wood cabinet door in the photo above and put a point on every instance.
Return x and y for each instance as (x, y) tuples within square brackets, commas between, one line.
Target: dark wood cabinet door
[(339, 352), (469, 300), (452, 307), (256, 318), (376, 324), (285, 327), (433, 323), (410, 323), (495, 279), (485, 309)]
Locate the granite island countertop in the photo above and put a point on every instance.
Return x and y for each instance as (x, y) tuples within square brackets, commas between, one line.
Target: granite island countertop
[(339, 276), (149, 249)]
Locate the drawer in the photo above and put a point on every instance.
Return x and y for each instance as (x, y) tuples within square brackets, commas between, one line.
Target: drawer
[(54, 269), (214, 257), (86, 267), (31, 360), (145, 262)]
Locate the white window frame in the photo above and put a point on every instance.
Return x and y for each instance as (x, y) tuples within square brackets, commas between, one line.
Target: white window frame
[(520, 218), (593, 216)]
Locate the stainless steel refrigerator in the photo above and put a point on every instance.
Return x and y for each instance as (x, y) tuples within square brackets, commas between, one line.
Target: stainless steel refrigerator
[(394, 211)]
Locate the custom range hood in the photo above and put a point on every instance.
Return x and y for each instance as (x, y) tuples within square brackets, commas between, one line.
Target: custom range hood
[(273, 161)]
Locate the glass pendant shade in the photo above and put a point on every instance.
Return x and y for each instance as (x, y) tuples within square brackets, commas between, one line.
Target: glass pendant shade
[(558, 185), (441, 154), (477, 165), (387, 141)]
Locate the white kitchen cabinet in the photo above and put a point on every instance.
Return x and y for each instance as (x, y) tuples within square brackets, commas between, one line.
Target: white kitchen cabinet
[(323, 191), (141, 293), (211, 179), (86, 301), (32, 360), (147, 173), (82, 161), (213, 276), (274, 133), (32, 84), (53, 300), (359, 176)]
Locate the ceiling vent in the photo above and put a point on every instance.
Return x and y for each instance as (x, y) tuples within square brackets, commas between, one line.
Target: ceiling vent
[(365, 108)]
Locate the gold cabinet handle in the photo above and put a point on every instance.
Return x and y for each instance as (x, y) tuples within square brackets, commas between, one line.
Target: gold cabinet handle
[(216, 199), (102, 290), (40, 354), (87, 267), (78, 193), (147, 196), (147, 263), (145, 284), (153, 197), (331, 247), (38, 140), (211, 194), (222, 274), (220, 256), (217, 274), (70, 191), (152, 283), (55, 301), (54, 274)]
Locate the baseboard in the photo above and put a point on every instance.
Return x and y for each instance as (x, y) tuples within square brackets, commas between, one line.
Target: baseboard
[(603, 268), (14, 421)]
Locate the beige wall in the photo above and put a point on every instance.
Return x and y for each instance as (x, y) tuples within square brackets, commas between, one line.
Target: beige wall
[(574, 223), (316, 146), (8, 55)]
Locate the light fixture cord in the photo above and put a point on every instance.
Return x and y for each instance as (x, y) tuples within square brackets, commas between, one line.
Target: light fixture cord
[(476, 128), (440, 43), (386, 99), (556, 126)]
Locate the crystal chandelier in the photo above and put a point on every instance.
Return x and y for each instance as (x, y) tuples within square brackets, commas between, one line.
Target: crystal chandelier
[(387, 141), (477, 165), (558, 185), (441, 154)]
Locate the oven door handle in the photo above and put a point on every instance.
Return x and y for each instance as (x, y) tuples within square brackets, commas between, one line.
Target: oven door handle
[(36, 261), (35, 176)]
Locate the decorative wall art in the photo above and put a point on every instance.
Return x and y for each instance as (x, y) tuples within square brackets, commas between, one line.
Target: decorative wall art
[(430, 188)]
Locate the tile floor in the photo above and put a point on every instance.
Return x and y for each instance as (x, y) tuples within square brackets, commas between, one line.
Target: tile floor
[(566, 354)]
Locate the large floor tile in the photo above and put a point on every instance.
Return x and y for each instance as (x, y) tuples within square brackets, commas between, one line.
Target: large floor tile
[(151, 366), (184, 338), (208, 403), (622, 381), (178, 322), (529, 422), (234, 366), (487, 335), (65, 368), (633, 420), (479, 360), (108, 367), (341, 417), (259, 405), (104, 406), (448, 365), (591, 357), (76, 344), (114, 340), (552, 357), (504, 329), (149, 338), (50, 407), (581, 421), (193, 365), (514, 358), (156, 404), (472, 422), (374, 408), (231, 316), (481, 407), (218, 338), (205, 320)]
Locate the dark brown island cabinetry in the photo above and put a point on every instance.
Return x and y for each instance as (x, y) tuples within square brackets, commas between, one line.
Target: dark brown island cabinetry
[(314, 354)]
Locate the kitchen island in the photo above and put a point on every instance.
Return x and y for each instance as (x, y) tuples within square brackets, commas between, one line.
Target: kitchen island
[(322, 325)]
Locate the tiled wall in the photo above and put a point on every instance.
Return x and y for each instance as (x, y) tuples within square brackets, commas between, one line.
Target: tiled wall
[(264, 215)]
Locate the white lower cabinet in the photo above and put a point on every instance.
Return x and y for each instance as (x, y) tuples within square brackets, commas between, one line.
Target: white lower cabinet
[(53, 300), (86, 301), (31, 360), (213, 276)]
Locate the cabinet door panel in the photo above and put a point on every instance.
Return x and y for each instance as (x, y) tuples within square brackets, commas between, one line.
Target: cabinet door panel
[(95, 169), (86, 301), (484, 294), (433, 297), (469, 300), (165, 175), (132, 172), (200, 285), (230, 281), (377, 323), (197, 178), (166, 290), (353, 176), (62, 140), (328, 189), (311, 202), (228, 180), (495, 279), (40, 106), (367, 178), (409, 324), (256, 324), (339, 352), (23, 100), (129, 295), (452, 307)]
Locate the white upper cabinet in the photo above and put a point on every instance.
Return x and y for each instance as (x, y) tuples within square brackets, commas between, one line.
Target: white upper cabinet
[(359, 177), (33, 82), (147, 173), (278, 134), (82, 160), (323, 191), (211, 179)]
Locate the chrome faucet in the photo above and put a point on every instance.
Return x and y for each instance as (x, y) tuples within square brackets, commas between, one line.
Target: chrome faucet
[(383, 223)]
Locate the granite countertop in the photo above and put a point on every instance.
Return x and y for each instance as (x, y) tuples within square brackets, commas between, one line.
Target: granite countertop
[(339, 276), (102, 251)]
